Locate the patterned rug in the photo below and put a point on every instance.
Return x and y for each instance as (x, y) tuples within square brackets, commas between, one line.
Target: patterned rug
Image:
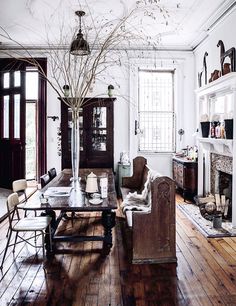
[(205, 226)]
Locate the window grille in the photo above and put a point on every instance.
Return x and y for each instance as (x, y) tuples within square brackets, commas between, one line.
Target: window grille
[(156, 111)]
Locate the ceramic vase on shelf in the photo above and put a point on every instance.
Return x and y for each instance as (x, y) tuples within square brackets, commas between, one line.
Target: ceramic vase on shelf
[(75, 147), (205, 127), (229, 128)]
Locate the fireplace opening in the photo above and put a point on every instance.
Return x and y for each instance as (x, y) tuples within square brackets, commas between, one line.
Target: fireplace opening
[(222, 187), (225, 188), (219, 198)]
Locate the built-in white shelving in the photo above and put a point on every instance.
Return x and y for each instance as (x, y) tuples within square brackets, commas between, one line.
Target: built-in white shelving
[(223, 88)]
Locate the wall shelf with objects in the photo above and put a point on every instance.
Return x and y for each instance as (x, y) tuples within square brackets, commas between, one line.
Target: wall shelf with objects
[(216, 101)]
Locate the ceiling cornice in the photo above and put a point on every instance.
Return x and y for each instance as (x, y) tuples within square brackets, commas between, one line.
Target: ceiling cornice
[(214, 21)]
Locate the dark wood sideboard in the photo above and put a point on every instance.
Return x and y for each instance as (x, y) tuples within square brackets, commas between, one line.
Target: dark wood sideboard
[(185, 176)]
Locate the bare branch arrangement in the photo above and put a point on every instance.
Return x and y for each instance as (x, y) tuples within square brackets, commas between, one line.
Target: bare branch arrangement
[(105, 38)]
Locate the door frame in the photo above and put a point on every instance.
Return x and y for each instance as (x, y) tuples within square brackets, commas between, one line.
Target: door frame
[(12, 64)]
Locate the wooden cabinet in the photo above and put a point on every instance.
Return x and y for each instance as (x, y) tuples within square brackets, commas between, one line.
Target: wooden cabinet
[(96, 134), (185, 176)]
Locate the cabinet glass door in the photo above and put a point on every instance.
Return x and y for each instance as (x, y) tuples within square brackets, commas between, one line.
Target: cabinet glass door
[(99, 129), (96, 133)]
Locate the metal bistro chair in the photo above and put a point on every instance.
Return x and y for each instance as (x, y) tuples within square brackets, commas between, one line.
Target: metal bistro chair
[(52, 173), (20, 186), (26, 224), (44, 180)]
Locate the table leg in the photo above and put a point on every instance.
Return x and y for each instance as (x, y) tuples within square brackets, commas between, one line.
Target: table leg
[(108, 222), (52, 214)]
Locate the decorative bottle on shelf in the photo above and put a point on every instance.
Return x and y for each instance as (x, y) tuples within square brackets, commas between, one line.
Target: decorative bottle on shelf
[(222, 130), (213, 130), (217, 130)]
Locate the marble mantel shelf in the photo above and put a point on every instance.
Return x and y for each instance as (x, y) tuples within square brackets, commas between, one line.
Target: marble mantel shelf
[(220, 146)]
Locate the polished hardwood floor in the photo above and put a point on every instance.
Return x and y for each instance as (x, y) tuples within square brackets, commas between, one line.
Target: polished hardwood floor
[(205, 273)]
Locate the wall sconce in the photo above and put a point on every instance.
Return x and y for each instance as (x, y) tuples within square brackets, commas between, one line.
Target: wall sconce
[(110, 90), (66, 89)]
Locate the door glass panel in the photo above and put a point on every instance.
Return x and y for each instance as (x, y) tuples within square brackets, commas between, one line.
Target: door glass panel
[(99, 137), (16, 78), (30, 133), (99, 140), (100, 117), (6, 80), (6, 117), (32, 85), (17, 116)]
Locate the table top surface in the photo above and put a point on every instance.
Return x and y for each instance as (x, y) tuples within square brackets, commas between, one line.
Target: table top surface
[(77, 200)]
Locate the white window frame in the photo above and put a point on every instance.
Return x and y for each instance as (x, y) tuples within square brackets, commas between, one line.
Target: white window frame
[(156, 114), (173, 63)]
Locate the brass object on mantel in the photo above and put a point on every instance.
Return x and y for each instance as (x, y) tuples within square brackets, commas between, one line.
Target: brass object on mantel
[(214, 75)]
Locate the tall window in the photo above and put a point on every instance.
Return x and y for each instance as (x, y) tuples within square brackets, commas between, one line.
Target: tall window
[(156, 111)]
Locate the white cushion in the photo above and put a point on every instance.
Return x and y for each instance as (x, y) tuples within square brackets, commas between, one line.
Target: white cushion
[(32, 224)]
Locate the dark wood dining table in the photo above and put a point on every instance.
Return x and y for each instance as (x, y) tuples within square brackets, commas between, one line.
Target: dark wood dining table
[(78, 201)]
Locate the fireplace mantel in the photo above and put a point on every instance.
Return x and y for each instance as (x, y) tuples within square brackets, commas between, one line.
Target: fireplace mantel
[(220, 146), (223, 87)]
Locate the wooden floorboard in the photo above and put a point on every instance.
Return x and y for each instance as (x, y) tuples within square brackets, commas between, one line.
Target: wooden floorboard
[(205, 274)]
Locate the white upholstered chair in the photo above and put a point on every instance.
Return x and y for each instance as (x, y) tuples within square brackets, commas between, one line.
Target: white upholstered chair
[(26, 224)]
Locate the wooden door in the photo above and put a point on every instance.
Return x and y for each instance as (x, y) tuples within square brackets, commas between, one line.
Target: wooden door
[(13, 120), (12, 128)]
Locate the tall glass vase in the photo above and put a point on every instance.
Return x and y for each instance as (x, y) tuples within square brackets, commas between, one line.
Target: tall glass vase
[(75, 147)]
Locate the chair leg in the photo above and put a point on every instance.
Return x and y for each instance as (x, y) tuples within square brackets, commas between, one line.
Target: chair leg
[(35, 238), (18, 216), (8, 232), (15, 242), (5, 252), (50, 237), (42, 233), (25, 196)]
